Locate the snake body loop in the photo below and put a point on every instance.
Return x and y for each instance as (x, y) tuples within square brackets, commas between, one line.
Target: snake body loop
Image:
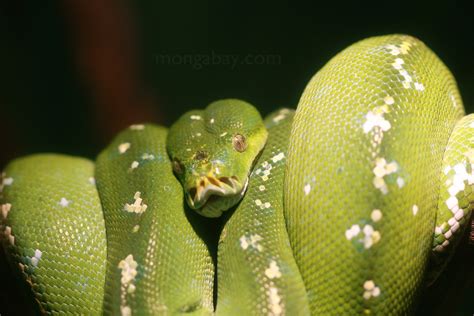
[(350, 205), (371, 130)]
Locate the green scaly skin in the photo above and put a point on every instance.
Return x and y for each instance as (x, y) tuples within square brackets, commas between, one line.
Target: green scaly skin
[(169, 267), (366, 157), (53, 229), (336, 210), (256, 267)]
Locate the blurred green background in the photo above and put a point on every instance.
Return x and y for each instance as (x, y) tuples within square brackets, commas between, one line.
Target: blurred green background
[(73, 73)]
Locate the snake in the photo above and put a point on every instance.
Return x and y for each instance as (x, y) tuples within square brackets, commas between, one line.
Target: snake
[(349, 205)]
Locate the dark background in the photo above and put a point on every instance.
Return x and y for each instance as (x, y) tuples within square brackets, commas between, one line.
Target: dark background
[(73, 73)]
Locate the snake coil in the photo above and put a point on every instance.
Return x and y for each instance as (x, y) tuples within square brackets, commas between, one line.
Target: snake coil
[(347, 206)]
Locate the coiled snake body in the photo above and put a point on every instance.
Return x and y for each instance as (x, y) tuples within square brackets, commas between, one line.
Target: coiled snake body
[(348, 206)]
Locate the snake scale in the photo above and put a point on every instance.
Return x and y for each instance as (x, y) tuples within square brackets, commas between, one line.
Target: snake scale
[(349, 205)]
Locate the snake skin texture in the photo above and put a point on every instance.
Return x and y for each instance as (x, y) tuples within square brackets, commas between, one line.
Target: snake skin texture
[(353, 203), (363, 179), (456, 197), (157, 263), (54, 231), (256, 270)]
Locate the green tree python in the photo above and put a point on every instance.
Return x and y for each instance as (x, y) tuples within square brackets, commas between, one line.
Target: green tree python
[(349, 205)]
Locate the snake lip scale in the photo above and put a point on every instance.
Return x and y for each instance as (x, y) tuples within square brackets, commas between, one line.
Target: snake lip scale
[(206, 186)]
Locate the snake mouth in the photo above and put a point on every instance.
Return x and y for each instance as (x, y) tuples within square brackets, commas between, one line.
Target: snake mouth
[(210, 186)]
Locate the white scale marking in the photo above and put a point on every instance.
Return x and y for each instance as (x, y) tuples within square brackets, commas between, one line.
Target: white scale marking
[(64, 202), (137, 127), (382, 169), (376, 215), (400, 182), (134, 165), (125, 311), (262, 205), (252, 241), (352, 232), (388, 100), (137, 207), (282, 114), (455, 185), (404, 48), (5, 209), (273, 271), (398, 63), (5, 181), (122, 148), (369, 238), (9, 236), (36, 258), (147, 156), (128, 274), (419, 86), (376, 120), (275, 300), (459, 214), (370, 290), (278, 157)]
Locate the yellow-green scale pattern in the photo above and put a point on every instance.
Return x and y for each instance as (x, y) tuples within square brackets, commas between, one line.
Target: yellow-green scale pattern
[(456, 197), (53, 229), (157, 263), (257, 274), (364, 166), (377, 179)]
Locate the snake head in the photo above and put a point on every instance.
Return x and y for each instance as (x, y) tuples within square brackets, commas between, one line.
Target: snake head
[(213, 152)]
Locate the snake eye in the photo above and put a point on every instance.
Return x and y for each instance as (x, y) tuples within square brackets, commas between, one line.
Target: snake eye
[(178, 167), (239, 143)]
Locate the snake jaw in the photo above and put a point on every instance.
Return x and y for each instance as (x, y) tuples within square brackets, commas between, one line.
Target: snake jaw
[(207, 186)]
